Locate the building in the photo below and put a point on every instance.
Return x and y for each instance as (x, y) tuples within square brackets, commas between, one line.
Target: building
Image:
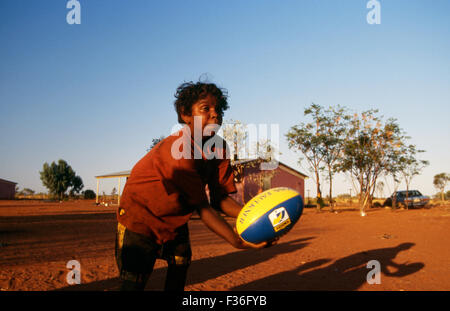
[(118, 175), (250, 179), (7, 189)]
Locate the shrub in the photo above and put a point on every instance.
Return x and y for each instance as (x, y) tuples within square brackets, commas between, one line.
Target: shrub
[(89, 194)]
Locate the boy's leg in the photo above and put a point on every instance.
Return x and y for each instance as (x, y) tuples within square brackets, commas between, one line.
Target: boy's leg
[(176, 277), (135, 257), (178, 255)]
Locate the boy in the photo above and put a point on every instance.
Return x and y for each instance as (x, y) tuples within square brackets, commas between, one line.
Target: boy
[(168, 184)]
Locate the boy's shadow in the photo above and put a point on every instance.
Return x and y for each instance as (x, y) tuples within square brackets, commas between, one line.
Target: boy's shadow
[(205, 269), (348, 273), (211, 268)]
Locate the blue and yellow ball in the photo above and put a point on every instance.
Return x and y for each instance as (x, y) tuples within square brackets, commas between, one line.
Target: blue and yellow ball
[(269, 215)]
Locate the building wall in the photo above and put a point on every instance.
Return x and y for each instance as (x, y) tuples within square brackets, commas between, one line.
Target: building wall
[(286, 179), (249, 188), (7, 190)]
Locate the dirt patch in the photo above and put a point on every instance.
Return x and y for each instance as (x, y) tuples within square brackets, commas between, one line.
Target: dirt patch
[(324, 251)]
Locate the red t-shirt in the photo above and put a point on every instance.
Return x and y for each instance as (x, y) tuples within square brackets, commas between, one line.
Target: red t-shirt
[(168, 183)]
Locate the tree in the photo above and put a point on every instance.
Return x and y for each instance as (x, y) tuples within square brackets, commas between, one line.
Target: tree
[(265, 153), (440, 182), (24, 192), (58, 178), (410, 166), (77, 186), (308, 139), (89, 194), (393, 169), (235, 134), (334, 122), (371, 149), (380, 188), (155, 141), (28, 192), (113, 193)]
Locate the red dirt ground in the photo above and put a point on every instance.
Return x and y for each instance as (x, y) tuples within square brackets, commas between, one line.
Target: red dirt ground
[(324, 251)]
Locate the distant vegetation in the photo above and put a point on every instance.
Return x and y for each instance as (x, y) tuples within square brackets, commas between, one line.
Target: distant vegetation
[(361, 145), (155, 141), (89, 194), (59, 178), (440, 182), (27, 193)]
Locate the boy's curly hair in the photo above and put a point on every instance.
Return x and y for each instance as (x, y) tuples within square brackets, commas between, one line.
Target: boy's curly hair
[(188, 93)]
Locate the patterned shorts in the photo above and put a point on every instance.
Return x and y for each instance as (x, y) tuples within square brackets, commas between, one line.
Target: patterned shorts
[(136, 253)]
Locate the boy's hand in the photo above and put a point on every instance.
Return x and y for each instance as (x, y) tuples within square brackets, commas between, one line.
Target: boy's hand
[(223, 229), (272, 242), (242, 244)]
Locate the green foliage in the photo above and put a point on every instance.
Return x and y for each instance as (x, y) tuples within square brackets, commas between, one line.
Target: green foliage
[(362, 145), (155, 141), (440, 182), (372, 147), (410, 166), (25, 192), (320, 142), (333, 135), (58, 178), (344, 196), (77, 185), (89, 194), (308, 139)]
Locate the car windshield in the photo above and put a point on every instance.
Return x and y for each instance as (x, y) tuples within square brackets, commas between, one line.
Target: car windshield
[(414, 193), (411, 193)]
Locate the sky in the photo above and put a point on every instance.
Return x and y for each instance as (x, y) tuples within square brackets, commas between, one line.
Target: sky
[(96, 93)]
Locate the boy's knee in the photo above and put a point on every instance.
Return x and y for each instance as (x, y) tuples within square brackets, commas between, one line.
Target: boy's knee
[(179, 261)]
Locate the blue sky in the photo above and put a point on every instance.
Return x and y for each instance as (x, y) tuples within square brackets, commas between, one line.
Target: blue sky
[(95, 94)]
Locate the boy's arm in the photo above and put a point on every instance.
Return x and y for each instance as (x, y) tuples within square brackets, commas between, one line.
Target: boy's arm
[(230, 207), (219, 226)]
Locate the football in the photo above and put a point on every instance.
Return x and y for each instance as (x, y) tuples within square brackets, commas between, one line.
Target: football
[(269, 215)]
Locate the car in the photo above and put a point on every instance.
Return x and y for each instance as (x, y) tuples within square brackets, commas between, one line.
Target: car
[(415, 199)]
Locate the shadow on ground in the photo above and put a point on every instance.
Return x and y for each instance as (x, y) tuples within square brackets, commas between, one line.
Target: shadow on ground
[(348, 273), (207, 268)]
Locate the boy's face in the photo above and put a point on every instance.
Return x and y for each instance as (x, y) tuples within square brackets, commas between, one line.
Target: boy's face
[(204, 110)]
